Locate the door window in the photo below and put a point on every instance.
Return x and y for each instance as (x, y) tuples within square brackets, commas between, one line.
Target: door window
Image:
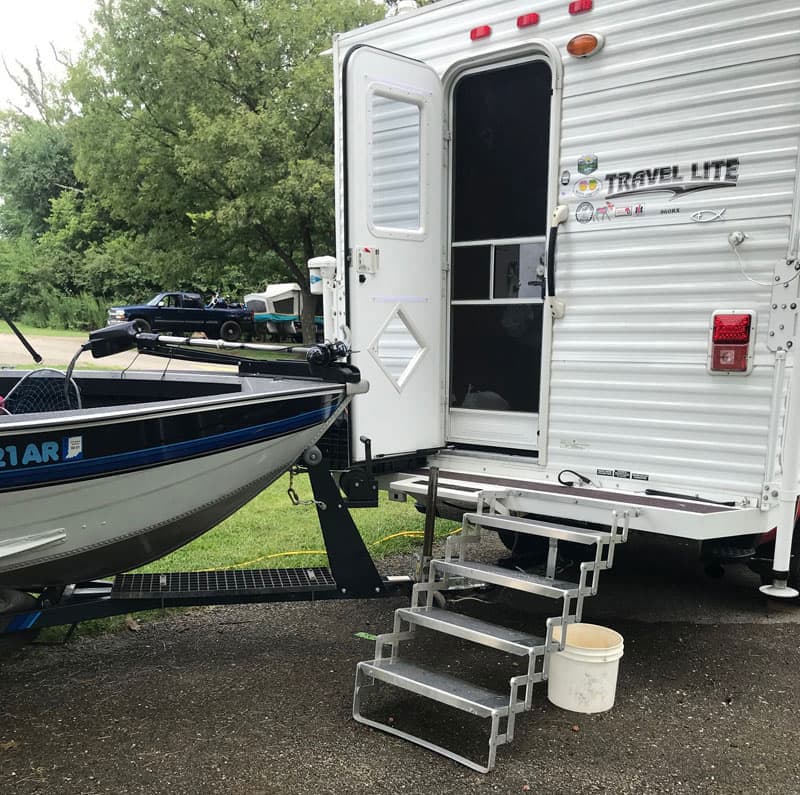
[(501, 132), (395, 164)]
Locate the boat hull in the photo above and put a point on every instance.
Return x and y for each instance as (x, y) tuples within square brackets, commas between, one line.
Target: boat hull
[(145, 482)]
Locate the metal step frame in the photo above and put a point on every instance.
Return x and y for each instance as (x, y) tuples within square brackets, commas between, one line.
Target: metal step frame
[(457, 570)]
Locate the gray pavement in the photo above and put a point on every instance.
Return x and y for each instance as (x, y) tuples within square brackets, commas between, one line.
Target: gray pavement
[(256, 699)]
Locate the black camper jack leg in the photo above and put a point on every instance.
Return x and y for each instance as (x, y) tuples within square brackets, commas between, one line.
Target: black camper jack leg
[(351, 574), (348, 557)]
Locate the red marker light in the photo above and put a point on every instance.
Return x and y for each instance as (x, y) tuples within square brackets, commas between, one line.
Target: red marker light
[(526, 20), (481, 32), (580, 6)]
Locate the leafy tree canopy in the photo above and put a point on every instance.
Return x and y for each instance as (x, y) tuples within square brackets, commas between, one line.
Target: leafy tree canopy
[(206, 127)]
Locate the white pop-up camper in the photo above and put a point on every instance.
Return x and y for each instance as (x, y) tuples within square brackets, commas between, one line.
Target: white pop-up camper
[(568, 265), (280, 308)]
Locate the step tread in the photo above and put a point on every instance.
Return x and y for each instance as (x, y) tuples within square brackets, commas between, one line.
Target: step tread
[(521, 581), (514, 641), (437, 686), (520, 524)]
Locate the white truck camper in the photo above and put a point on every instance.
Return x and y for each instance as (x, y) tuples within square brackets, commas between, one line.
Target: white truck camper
[(567, 263)]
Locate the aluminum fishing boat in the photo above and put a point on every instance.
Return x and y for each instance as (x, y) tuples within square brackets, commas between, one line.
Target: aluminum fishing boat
[(131, 466)]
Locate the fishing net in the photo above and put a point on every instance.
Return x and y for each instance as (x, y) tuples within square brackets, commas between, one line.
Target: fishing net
[(43, 390)]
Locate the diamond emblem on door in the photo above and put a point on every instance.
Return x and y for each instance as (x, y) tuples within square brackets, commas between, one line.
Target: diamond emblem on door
[(397, 348)]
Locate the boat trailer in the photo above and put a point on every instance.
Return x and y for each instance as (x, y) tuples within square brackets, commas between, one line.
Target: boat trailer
[(350, 574)]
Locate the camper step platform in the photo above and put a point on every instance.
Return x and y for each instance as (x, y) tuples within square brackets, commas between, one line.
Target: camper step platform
[(437, 686), (511, 641), (239, 582), (463, 494), (670, 515), (516, 580), (520, 524)]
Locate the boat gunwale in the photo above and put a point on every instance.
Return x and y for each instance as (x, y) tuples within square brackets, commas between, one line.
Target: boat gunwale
[(13, 424)]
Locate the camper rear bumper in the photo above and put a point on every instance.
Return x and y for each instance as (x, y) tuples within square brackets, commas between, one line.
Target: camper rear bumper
[(674, 516)]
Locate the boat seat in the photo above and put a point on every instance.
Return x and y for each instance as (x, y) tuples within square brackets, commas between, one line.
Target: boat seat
[(42, 390)]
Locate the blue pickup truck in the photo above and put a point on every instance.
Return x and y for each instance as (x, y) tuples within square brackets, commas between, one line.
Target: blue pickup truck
[(184, 314)]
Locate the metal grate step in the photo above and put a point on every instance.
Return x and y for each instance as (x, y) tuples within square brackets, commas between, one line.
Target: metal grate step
[(517, 580), (519, 524), (238, 582), (437, 686), (511, 641)]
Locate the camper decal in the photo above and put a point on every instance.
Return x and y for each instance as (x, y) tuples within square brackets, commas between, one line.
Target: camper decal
[(587, 164), (588, 186), (609, 211), (707, 216), (584, 213), (702, 175)]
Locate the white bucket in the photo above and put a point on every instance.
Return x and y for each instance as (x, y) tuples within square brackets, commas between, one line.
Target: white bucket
[(583, 677)]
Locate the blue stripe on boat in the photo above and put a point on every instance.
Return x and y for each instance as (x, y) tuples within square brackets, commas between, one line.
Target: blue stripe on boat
[(163, 454)]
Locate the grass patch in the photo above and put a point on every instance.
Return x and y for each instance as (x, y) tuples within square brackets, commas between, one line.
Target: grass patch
[(259, 535)]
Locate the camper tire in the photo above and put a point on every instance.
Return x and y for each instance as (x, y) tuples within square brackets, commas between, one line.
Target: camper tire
[(230, 331)]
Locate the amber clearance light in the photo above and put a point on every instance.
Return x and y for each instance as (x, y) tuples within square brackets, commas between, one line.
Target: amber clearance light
[(585, 44)]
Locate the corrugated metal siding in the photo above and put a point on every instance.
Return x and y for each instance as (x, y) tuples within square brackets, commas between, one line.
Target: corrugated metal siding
[(645, 39), (629, 385)]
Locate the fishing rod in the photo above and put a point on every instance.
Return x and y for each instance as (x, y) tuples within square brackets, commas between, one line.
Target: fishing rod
[(21, 337)]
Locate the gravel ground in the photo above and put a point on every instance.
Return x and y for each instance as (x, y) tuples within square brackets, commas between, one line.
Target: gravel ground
[(256, 699)]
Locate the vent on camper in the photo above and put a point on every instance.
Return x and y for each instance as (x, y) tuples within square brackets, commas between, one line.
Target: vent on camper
[(731, 334)]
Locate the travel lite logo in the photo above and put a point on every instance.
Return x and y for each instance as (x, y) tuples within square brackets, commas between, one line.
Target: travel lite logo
[(700, 176)]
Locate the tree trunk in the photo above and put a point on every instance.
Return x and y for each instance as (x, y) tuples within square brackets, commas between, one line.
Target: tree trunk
[(308, 303)]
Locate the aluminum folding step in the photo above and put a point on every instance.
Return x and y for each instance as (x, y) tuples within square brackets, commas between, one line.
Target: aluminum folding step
[(517, 580), (444, 689), (437, 686), (520, 524), (511, 641)]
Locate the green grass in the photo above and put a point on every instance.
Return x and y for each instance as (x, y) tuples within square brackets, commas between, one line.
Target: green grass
[(255, 536), (263, 531), (34, 331)]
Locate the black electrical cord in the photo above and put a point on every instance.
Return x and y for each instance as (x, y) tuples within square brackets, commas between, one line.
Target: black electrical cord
[(582, 478)]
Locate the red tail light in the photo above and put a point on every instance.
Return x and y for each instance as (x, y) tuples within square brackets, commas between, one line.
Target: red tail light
[(732, 328), (731, 335)]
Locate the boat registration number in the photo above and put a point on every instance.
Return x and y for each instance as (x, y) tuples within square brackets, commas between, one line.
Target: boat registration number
[(48, 452)]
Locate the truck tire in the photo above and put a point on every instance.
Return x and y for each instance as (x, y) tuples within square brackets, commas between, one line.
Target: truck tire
[(230, 331), (141, 325)]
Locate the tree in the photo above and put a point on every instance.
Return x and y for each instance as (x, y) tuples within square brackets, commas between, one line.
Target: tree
[(35, 167), (206, 127)]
